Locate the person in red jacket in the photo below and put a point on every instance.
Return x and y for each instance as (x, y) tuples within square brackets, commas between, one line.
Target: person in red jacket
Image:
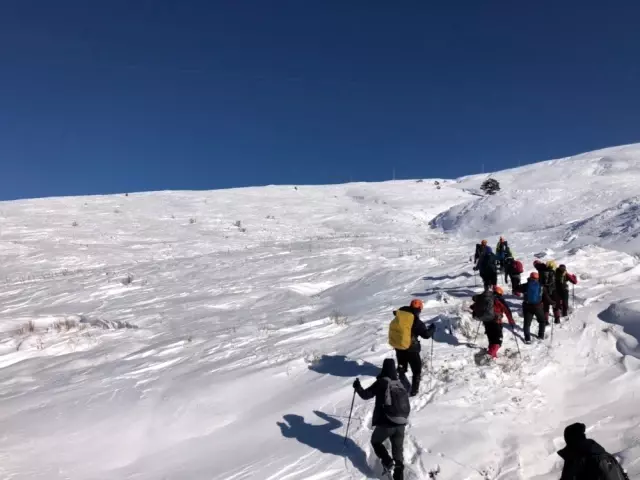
[(492, 320), (562, 292)]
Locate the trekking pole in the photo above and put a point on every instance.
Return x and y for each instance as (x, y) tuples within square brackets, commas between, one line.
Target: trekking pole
[(515, 337), (346, 435), (431, 366), (551, 339), (573, 288), (477, 332)]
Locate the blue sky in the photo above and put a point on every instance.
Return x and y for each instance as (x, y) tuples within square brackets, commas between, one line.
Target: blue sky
[(112, 96)]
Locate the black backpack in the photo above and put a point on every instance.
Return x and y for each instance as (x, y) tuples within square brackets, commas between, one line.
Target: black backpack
[(608, 467), (396, 405), (483, 308), (548, 281)]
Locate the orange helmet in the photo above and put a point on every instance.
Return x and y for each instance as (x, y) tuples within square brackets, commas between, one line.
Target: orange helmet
[(535, 276), (498, 289), (416, 303), (483, 243)]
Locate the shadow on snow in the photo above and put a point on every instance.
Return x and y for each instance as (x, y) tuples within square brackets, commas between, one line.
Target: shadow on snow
[(324, 439), (339, 366)]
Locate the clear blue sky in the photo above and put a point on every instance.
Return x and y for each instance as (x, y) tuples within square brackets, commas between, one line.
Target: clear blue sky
[(107, 96)]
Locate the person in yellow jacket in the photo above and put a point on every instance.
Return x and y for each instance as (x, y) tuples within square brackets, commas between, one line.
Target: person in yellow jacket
[(404, 331)]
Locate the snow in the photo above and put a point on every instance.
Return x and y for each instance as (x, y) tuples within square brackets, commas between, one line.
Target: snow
[(216, 335)]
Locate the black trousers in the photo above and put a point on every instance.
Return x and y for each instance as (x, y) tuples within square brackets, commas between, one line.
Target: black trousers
[(515, 282), (411, 359), (494, 332), (562, 304), (489, 279), (396, 437), (529, 312)]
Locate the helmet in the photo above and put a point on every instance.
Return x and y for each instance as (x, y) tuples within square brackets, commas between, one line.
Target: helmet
[(417, 303), (483, 243), (552, 264), (498, 289), (535, 276)]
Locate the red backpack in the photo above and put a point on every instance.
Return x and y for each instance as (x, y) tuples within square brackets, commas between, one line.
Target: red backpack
[(517, 265)]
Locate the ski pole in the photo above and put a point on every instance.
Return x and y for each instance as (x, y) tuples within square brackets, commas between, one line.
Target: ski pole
[(551, 339), (346, 435), (573, 288)]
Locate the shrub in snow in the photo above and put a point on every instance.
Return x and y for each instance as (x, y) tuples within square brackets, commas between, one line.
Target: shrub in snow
[(74, 224), (128, 280), (337, 318), (419, 181), (490, 186), (238, 224), (192, 221)]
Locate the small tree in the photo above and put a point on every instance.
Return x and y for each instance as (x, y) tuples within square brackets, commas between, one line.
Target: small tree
[(490, 186)]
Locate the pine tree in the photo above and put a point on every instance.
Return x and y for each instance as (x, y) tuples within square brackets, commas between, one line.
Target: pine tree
[(490, 186)]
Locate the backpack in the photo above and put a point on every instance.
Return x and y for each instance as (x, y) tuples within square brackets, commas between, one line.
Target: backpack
[(483, 308), (396, 405), (609, 468), (400, 330), (548, 280), (517, 266), (534, 292)]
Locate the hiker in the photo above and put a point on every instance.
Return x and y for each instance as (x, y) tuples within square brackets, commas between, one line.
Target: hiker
[(562, 292), (489, 307), (585, 459), (404, 331), (390, 415), (548, 281), (502, 251), (479, 251), (487, 267), (513, 269), (535, 298)]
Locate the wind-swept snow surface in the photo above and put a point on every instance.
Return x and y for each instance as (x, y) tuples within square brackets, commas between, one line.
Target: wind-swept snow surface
[(216, 335)]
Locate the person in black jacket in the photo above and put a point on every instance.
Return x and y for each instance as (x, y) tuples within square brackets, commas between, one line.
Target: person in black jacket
[(411, 356), (385, 428), (487, 267), (585, 459), (479, 250)]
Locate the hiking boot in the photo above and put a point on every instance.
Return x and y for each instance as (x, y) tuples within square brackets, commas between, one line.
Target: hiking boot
[(387, 467)]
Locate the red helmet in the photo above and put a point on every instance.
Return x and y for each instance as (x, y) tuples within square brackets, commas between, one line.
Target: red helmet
[(417, 303), (498, 289), (535, 276)]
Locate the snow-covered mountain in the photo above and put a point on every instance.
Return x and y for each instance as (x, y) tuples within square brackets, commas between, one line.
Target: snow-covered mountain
[(216, 335)]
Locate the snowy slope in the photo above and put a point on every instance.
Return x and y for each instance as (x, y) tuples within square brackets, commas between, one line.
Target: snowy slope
[(154, 337), (588, 198)]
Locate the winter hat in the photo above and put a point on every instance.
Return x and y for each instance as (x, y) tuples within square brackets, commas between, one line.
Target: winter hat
[(389, 369), (562, 268), (575, 433)]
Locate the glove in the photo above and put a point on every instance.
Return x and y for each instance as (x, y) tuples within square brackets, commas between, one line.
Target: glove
[(475, 269), (356, 384), (431, 328)]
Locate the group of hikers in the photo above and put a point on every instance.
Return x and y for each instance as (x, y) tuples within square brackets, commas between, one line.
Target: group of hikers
[(546, 287)]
